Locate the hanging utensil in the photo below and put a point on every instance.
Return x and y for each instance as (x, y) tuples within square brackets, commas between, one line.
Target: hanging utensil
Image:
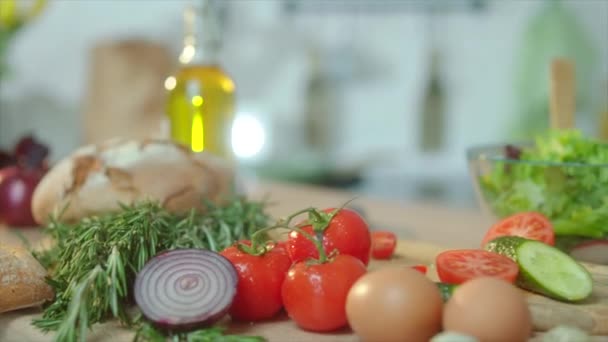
[(562, 94)]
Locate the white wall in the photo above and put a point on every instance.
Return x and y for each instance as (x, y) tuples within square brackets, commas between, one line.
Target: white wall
[(268, 59)]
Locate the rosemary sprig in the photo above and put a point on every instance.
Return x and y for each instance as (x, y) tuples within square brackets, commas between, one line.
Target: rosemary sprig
[(94, 262)]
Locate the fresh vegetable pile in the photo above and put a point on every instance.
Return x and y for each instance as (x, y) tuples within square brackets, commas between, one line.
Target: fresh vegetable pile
[(574, 196), (187, 272), (95, 262)]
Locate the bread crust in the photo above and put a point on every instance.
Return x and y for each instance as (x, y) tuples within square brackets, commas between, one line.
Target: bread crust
[(97, 178), (22, 280)]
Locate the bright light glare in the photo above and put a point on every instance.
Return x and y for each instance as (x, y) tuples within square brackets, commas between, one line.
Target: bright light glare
[(187, 54), (170, 83), (248, 136)]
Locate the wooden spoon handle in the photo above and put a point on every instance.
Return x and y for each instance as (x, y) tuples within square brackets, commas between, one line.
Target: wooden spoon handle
[(562, 97)]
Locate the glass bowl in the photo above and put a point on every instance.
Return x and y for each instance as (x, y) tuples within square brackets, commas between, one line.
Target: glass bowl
[(574, 196)]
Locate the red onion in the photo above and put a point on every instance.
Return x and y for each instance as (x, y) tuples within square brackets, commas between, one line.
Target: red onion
[(17, 185), (6, 159), (28, 164), (185, 288)]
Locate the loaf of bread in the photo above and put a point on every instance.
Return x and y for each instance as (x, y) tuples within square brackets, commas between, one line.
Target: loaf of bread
[(98, 178), (22, 281)]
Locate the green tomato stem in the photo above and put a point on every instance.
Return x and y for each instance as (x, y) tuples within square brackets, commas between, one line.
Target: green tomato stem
[(255, 248), (316, 239), (317, 242)]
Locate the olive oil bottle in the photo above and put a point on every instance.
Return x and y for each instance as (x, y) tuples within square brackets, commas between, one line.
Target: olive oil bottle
[(201, 99)]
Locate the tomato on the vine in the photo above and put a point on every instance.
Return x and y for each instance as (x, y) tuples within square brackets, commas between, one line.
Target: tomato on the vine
[(345, 233), (258, 294), (314, 295)]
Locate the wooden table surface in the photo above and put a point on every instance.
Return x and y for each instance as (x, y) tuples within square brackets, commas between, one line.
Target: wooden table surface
[(428, 222), (432, 222)]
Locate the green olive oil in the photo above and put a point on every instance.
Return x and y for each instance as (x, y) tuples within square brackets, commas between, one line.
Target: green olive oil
[(201, 99)]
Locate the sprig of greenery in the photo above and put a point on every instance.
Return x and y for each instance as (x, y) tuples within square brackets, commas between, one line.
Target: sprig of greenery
[(146, 332), (94, 262)]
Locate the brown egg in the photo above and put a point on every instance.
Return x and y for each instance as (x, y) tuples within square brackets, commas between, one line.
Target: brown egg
[(394, 304), (489, 309)]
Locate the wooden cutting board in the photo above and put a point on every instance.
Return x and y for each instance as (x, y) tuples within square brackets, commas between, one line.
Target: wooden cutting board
[(591, 315)]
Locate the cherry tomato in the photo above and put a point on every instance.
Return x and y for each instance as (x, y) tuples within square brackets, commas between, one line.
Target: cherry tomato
[(529, 225), (383, 244), (458, 266), (347, 233), (258, 293), (420, 268), (282, 245), (314, 295)]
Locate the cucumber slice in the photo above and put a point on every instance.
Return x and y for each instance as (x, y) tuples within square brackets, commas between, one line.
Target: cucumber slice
[(446, 290), (545, 269)]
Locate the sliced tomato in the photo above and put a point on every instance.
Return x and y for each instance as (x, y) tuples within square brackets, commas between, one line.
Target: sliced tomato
[(383, 244), (529, 225), (458, 266), (420, 268)]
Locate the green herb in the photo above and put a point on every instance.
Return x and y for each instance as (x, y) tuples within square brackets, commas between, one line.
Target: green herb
[(573, 196), (147, 333), (94, 261)]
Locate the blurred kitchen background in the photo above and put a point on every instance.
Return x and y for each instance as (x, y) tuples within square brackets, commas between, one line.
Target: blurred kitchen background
[(377, 96)]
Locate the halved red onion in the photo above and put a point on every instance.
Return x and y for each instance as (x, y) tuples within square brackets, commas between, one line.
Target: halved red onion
[(185, 288)]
